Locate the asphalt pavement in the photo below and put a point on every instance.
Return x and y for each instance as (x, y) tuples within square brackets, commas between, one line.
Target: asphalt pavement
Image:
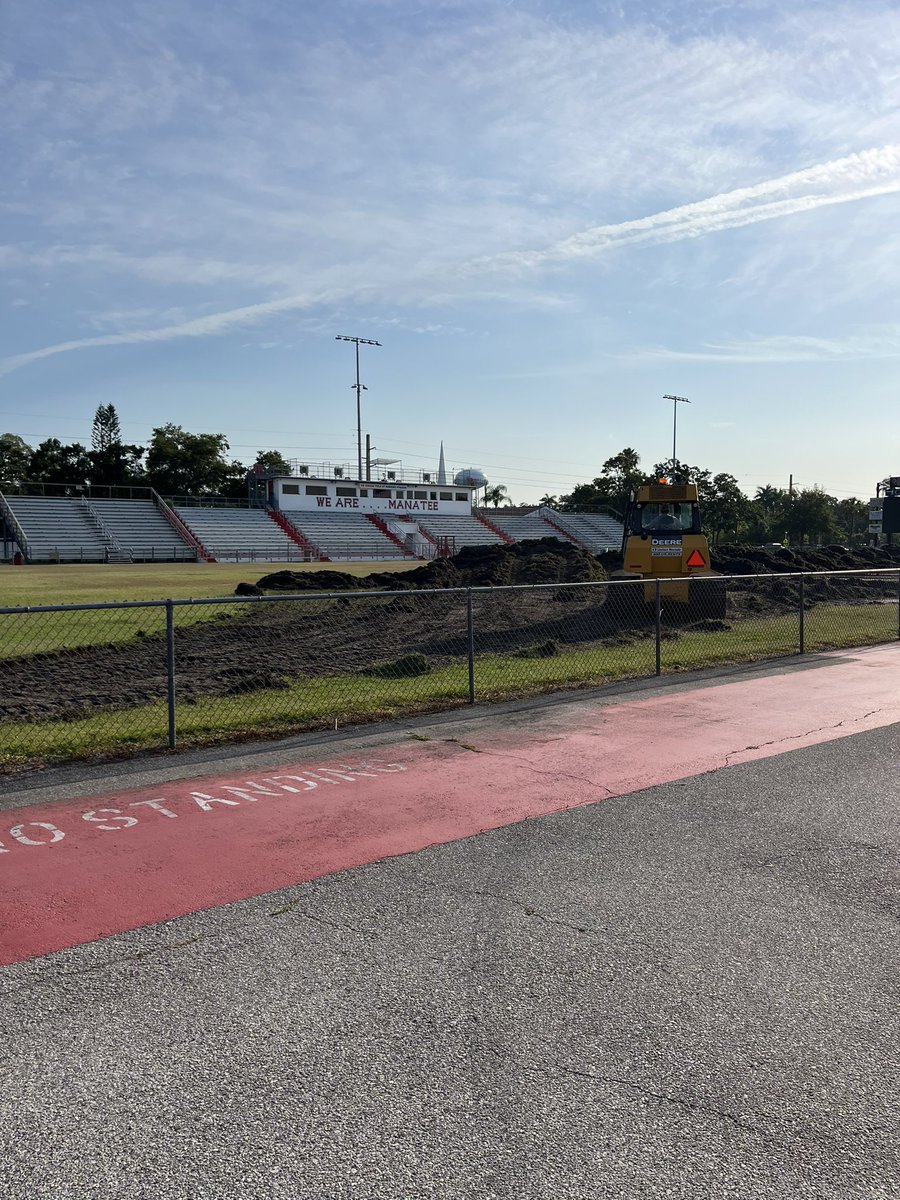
[(686, 991)]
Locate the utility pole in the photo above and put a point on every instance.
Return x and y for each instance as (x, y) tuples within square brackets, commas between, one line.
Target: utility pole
[(676, 400), (360, 388)]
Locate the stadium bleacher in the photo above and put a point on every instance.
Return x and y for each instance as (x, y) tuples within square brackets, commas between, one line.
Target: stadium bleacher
[(460, 531), (525, 526), (240, 534), (141, 531), (69, 529), (345, 535), (58, 529), (596, 531)]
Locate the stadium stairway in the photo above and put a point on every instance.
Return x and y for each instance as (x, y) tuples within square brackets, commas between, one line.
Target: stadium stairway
[(295, 535)]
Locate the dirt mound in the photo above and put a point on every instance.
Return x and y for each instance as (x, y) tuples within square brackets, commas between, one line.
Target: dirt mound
[(545, 560), (305, 581), (754, 560)]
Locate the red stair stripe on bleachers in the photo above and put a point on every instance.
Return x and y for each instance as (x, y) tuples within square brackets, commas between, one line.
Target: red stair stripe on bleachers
[(295, 535), (381, 526)]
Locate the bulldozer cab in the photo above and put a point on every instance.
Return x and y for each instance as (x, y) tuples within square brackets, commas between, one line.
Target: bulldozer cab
[(663, 507), (664, 540)]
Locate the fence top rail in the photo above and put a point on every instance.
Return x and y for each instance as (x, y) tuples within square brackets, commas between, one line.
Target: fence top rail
[(187, 602)]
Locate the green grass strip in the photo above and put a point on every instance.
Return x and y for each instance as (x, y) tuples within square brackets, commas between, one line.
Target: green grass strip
[(323, 701)]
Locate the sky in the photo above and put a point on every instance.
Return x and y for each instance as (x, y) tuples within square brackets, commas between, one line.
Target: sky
[(550, 214)]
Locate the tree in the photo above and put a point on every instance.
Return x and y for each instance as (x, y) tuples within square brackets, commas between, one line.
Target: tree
[(852, 519), (271, 461), (549, 501), (496, 495), (190, 464), (105, 431), (15, 458), (118, 465), (52, 462), (726, 508), (612, 488), (810, 517)]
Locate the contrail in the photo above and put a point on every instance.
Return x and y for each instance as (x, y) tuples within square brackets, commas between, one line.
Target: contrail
[(198, 327), (856, 177), (859, 176)]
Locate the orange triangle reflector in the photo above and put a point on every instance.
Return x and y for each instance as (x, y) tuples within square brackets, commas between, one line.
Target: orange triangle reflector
[(696, 560)]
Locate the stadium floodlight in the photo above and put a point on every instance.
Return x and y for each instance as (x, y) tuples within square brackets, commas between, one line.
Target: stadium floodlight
[(676, 400), (360, 388)]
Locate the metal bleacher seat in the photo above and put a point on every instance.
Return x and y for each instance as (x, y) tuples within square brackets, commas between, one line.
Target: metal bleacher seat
[(240, 534), (597, 531), (345, 535), (58, 529), (460, 530), (526, 526), (142, 531)]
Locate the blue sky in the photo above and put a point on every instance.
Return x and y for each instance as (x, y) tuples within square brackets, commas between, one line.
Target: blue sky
[(549, 214)]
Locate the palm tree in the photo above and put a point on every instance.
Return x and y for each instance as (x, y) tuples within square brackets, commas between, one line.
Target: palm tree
[(496, 495)]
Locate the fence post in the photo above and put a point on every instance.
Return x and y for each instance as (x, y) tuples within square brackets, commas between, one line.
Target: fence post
[(470, 633), (170, 669), (802, 617), (898, 605), (657, 618)]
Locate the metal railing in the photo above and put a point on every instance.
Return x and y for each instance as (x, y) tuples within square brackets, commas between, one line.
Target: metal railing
[(13, 525), (74, 491), (111, 678)]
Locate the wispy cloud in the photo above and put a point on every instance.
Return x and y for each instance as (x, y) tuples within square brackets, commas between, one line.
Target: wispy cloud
[(852, 178), (869, 344), (433, 158)]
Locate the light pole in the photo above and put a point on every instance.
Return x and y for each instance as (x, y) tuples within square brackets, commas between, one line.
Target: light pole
[(360, 388), (676, 400)]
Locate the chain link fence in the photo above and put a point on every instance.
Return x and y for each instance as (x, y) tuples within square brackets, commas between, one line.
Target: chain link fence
[(84, 680)]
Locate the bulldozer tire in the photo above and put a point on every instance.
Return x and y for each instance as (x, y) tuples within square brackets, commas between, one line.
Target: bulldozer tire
[(708, 601), (625, 603)]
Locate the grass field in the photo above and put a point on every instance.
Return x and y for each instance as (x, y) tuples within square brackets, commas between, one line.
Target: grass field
[(91, 583), (95, 583), (329, 702)]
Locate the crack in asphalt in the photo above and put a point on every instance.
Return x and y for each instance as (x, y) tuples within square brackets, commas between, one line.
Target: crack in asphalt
[(553, 774), (293, 906), (866, 847), (59, 976), (796, 736), (690, 1105), (595, 931)]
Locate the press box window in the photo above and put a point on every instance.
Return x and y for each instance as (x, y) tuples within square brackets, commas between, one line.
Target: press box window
[(290, 489), (381, 493), (420, 495), (313, 489), (346, 491), (461, 496), (446, 495)]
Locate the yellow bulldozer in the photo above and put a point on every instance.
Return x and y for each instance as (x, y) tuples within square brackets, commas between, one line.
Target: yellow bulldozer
[(664, 540)]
